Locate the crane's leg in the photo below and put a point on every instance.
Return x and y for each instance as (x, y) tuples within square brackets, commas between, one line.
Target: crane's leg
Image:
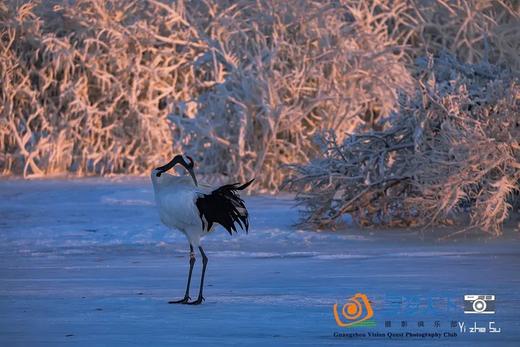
[(187, 294), (204, 263)]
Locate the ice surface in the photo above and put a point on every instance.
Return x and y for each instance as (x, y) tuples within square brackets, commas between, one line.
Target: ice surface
[(87, 262)]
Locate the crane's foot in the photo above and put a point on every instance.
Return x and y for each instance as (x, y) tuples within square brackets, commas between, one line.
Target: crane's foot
[(184, 300), (199, 301)]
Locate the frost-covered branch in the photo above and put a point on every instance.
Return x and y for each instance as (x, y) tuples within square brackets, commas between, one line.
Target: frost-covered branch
[(452, 148)]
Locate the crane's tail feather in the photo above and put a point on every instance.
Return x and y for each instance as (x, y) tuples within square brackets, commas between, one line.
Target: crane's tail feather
[(225, 207)]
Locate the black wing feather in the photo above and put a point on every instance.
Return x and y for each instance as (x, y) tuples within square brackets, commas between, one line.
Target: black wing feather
[(225, 207)]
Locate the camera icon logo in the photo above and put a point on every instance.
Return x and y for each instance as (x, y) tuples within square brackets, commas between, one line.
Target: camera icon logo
[(479, 304), (357, 309)]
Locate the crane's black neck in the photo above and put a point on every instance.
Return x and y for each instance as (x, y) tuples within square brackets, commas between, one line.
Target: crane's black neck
[(179, 159)]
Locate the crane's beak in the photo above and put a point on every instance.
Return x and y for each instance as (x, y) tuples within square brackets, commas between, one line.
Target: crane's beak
[(192, 173), (189, 166)]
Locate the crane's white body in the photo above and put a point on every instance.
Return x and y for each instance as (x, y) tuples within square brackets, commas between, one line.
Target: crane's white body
[(175, 197)]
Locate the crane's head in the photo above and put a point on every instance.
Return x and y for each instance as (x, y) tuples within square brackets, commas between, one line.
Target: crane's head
[(184, 160)]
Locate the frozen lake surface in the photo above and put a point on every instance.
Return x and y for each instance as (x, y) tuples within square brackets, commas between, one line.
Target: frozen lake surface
[(87, 263)]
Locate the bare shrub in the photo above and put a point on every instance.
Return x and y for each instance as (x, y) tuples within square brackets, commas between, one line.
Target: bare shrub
[(94, 87), (283, 71), (85, 86), (98, 87), (472, 30), (453, 147)]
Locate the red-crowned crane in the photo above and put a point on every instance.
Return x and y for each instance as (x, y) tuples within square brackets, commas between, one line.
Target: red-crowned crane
[(194, 211)]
